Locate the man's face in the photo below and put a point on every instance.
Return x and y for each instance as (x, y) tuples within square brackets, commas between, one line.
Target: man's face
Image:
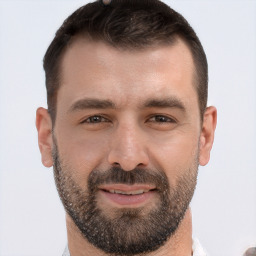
[(126, 143)]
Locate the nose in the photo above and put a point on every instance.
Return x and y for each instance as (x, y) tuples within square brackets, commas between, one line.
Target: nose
[(128, 149)]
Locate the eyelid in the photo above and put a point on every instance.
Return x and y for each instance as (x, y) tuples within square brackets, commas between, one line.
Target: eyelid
[(171, 119), (85, 120), (104, 119)]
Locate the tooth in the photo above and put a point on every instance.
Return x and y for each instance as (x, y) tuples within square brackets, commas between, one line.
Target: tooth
[(119, 192), (135, 192)]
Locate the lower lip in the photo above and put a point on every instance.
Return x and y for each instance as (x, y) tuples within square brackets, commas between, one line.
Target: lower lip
[(128, 200)]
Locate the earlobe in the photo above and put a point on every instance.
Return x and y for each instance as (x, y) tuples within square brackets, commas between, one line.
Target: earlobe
[(44, 128), (207, 134)]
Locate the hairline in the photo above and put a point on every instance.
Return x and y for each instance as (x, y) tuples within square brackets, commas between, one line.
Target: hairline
[(131, 48)]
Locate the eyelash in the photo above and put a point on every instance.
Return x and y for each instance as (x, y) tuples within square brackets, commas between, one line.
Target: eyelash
[(167, 119), (89, 119)]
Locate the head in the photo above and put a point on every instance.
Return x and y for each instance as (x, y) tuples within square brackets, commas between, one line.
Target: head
[(128, 25), (127, 123)]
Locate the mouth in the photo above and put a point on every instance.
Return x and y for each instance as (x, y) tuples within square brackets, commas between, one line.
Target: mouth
[(127, 195)]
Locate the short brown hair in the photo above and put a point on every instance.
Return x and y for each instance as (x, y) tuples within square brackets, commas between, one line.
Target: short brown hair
[(128, 24)]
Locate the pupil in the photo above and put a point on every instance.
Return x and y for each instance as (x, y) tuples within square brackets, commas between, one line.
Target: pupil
[(96, 119), (161, 119)]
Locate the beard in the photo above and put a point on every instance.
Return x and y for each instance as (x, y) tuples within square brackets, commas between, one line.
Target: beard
[(125, 231)]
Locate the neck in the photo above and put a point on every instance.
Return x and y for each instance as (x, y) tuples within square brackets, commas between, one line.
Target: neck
[(179, 244)]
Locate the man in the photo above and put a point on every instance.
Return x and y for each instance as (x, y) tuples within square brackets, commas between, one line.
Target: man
[(126, 127)]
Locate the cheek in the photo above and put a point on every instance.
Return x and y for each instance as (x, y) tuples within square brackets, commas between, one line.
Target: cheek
[(82, 154), (176, 155)]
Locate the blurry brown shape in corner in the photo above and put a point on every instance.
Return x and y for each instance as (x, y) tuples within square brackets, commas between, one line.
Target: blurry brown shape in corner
[(250, 252)]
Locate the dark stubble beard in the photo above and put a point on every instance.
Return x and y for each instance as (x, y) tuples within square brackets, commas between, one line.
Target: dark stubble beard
[(128, 231)]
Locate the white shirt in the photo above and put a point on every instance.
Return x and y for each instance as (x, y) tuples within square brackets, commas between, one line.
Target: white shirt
[(196, 247)]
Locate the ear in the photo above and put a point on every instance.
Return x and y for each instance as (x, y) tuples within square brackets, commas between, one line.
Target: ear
[(44, 128), (207, 134)]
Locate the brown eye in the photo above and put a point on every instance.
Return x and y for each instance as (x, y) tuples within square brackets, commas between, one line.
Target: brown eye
[(95, 119), (161, 119)]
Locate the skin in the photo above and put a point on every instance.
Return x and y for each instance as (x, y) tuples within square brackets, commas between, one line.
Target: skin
[(130, 134)]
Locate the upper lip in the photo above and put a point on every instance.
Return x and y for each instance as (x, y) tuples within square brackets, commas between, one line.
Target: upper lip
[(127, 189)]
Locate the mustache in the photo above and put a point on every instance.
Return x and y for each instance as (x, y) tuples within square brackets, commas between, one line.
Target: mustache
[(116, 175)]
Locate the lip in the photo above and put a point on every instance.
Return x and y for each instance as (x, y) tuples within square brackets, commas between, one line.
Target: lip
[(129, 199), (126, 188)]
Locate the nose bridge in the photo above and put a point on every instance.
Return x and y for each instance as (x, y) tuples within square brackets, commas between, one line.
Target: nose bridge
[(127, 147)]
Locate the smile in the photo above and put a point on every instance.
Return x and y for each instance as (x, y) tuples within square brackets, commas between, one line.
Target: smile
[(136, 192), (127, 195)]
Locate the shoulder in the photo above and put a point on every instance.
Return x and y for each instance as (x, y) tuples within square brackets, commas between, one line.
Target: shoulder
[(197, 248), (66, 252)]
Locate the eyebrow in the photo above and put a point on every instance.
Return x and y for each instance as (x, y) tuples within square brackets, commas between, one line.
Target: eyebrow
[(88, 103), (170, 102)]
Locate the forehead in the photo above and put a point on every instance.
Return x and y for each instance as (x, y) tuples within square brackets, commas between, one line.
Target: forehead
[(92, 69)]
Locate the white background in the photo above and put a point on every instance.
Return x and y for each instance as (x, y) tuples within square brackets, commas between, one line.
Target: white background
[(32, 220)]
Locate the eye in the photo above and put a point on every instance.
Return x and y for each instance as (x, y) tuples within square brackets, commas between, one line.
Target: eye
[(161, 119), (161, 122), (95, 119)]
